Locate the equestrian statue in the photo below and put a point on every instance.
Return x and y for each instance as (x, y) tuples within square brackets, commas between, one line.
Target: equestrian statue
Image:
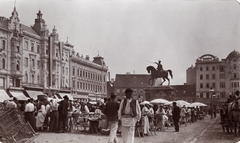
[(158, 73)]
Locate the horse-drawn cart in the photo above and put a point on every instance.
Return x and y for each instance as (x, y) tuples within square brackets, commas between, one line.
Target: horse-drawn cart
[(13, 128)]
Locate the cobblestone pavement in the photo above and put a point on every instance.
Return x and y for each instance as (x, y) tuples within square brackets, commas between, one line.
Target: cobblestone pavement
[(202, 131)]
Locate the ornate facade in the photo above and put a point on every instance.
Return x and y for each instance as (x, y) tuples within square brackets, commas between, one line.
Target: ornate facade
[(34, 59), (222, 76)]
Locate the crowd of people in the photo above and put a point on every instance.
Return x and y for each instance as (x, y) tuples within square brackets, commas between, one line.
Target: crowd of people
[(115, 116)]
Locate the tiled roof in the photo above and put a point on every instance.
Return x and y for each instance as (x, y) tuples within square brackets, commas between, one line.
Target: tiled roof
[(28, 29), (132, 80)]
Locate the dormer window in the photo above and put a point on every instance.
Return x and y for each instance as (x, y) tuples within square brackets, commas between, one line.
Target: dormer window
[(3, 45)]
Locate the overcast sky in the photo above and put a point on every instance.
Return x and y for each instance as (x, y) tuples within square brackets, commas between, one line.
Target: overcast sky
[(129, 35)]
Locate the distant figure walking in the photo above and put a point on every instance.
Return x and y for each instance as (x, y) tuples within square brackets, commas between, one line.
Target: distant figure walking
[(176, 116)]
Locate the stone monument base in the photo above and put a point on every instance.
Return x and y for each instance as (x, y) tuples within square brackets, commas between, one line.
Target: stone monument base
[(155, 92)]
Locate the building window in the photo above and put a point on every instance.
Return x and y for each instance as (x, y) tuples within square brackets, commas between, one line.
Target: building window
[(38, 79), (33, 63), (213, 68), (3, 64), (222, 85), (32, 47), (201, 95), (221, 68), (56, 52), (207, 85), (73, 71), (26, 62), (207, 95), (213, 76), (206, 68), (46, 50), (3, 45), (38, 63), (66, 71), (200, 68), (222, 76), (234, 66), (201, 85), (201, 76), (213, 85), (207, 76), (234, 76), (18, 66), (80, 73), (38, 49), (26, 77), (26, 45), (77, 72), (18, 49), (32, 78)]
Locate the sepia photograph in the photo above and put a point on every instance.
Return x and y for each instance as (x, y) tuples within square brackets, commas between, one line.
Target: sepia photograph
[(119, 71)]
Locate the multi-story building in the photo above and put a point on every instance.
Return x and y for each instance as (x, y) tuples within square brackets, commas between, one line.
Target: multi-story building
[(35, 62), (216, 79)]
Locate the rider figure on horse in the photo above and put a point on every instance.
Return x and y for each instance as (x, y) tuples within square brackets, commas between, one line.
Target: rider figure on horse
[(159, 67)]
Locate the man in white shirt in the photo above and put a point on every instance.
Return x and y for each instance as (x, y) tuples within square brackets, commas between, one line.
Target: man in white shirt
[(129, 114), (29, 113)]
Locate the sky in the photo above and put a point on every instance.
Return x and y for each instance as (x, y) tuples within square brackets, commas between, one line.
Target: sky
[(132, 34)]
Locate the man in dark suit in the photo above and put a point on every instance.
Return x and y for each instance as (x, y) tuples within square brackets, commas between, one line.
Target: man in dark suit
[(176, 116), (111, 111), (63, 112)]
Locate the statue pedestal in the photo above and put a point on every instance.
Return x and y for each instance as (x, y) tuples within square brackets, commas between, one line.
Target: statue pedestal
[(155, 92)]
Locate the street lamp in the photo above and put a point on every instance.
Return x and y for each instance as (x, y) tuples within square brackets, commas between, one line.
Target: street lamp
[(211, 94)]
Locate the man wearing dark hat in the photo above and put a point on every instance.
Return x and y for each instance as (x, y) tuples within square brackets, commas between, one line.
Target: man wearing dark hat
[(111, 111), (63, 112), (176, 116), (129, 113)]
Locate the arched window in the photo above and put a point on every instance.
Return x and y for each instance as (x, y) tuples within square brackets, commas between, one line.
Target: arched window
[(18, 66), (3, 63)]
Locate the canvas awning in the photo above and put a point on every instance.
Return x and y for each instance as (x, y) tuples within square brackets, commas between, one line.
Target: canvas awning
[(19, 95), (34, 94), (68, 94), (77, 96), (4, 96)]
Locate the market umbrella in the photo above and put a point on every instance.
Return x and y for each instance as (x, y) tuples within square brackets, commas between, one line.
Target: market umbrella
[(197, 104), (145, 102), (181, 103), (160, 101)]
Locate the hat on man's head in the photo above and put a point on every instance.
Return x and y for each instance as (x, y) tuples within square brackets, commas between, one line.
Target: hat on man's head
[(113, 95), (65, 97), (174, 103), (128, 90)]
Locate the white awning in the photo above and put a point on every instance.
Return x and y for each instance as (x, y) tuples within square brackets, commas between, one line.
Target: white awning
[(34, 94), (68, 95), (4, 96), (77, 96), (19, 95)]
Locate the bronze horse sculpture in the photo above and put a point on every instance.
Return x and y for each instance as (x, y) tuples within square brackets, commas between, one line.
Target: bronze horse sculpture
[(155, 74)]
